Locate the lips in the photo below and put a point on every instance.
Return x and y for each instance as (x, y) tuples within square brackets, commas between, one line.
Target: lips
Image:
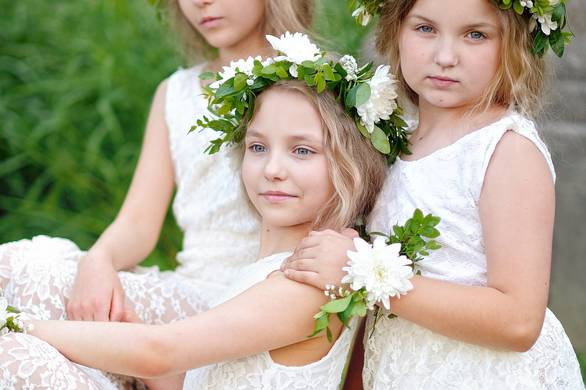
[(277, 196), (442, 81), (210, 21)]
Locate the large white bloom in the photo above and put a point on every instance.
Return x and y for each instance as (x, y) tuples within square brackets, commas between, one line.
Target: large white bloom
[(243, 65), (380, 270), (295, 47), (547, 25), (382, 101)]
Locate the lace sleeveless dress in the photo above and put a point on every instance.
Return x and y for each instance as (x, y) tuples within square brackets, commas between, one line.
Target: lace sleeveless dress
[(260, 371), (403, 355), (221, 234)]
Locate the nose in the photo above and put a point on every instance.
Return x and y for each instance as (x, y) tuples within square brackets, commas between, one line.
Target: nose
[(446, 54), (274, 169), (202, 3)]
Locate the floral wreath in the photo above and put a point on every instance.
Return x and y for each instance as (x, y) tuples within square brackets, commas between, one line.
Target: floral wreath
[(550, 15), (368, 96)]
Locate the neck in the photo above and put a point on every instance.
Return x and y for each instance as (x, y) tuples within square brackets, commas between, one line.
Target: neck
[(254, 45), (281, 239), (459, 120)]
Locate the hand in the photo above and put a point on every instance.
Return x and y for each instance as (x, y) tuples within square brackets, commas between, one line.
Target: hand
[(97, 293), (319, 258)]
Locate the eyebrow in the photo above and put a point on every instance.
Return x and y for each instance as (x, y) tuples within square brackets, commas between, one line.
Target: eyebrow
[(469, 26), (302, 137)]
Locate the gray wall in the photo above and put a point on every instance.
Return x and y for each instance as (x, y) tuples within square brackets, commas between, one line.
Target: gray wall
[(564, 129)]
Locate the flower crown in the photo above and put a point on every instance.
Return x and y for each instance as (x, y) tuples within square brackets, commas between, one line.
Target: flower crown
[(368, 96), (549, 15)]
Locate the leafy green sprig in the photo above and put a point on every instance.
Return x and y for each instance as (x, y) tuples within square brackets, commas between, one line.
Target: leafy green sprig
[(417, 238)]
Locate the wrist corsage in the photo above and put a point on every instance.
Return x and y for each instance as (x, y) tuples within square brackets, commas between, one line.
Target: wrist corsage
[(379, 271), (10, 319)]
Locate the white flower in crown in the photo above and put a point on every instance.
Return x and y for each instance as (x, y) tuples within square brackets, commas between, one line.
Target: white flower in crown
[(380, 269), (350, 65), (547, 25), (295, 47), (382, 100), (527, 3), (243, 65), (362, 15)]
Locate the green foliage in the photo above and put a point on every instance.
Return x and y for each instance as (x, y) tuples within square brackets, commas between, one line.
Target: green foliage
[(76, 80), (582, 361)]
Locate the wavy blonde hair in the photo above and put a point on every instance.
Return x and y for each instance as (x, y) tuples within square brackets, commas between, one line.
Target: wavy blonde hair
[(280, 16), (356, 169), (520, 77)]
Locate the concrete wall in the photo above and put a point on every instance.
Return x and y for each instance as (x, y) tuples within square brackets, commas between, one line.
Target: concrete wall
[(564, 128)]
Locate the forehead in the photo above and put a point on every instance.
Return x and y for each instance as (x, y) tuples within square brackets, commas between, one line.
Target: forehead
[(283, 112), (456, 13)]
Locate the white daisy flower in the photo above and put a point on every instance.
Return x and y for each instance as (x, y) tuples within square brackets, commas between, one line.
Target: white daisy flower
[(380, 270), (243, 65), (295, 47), (382, 101)]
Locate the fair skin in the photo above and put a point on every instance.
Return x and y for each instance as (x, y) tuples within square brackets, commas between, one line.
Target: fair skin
[(279, 151), (449, 56), (97, 294)]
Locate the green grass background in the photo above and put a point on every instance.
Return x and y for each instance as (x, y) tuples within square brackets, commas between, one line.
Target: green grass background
[(76, 80)]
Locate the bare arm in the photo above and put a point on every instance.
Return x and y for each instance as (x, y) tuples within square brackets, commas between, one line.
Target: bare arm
[(517, 215), (272, 314), (97, 292)]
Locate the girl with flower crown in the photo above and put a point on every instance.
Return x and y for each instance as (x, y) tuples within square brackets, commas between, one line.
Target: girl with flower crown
[(476, 317), (305, 166), (53, 279)]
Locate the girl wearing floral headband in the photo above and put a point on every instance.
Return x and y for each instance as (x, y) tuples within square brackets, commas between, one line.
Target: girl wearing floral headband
[(476, 317), (305, 165), (56, 280)]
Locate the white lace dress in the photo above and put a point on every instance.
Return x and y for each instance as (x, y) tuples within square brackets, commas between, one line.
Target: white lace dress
[(403, 355), (221, 234), (260, 371)]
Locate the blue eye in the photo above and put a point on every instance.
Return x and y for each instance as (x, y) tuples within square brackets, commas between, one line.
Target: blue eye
[(425, 29), (476, 35), (303, 152), (256, 148)]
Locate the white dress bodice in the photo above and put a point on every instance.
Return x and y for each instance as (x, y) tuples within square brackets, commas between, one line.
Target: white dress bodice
[(221, 229), (448, 184), (260, 371)]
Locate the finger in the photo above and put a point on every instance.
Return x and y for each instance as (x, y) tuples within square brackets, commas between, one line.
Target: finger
[(100, 311), (117, 305), (305, 277), (303, 265), (351, 233), (322, 232), (310, 241)]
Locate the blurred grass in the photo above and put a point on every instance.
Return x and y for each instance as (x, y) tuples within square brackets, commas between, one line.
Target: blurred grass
[(76, 80)]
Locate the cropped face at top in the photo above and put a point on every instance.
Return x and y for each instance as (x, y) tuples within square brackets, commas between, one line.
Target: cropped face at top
[(449, 51), (285, 169), (225, 23)]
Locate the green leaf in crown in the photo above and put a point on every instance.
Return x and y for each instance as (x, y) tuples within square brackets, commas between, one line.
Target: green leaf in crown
[(368, 95)]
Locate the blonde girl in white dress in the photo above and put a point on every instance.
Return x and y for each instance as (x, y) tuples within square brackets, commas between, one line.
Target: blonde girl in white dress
[(477, 316), (302, 153)]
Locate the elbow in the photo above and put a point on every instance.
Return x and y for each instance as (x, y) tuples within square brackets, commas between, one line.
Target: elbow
[(156, 358), (523, 335)]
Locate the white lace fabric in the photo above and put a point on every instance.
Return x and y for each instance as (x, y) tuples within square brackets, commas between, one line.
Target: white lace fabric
[(403, 355), (260, 371), (221, 234)]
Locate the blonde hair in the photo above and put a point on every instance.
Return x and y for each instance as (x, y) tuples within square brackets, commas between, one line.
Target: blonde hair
[(280, 16), (357, 170), (520, 76)]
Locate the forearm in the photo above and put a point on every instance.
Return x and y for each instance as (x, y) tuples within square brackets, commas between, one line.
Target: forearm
[(126, 242), (478, 315), (121, 348)]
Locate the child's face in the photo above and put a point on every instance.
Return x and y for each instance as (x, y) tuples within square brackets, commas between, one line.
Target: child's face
[(225, 23), (449, 51), (285, 170)]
